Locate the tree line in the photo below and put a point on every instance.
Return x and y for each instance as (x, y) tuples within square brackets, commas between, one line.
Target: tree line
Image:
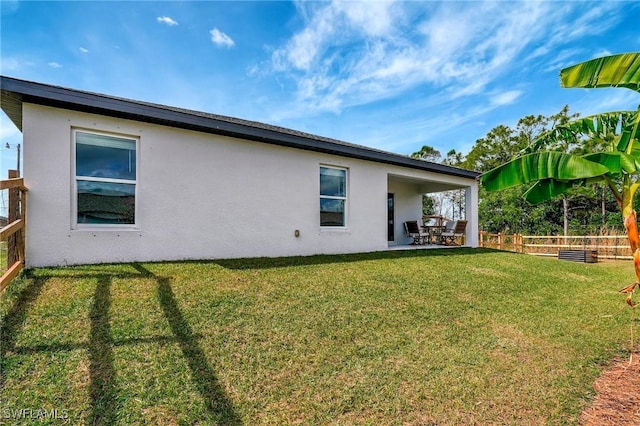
[(588, 209)]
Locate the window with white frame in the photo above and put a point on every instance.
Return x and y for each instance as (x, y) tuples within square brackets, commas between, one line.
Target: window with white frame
[(105, 179), (333, 196)]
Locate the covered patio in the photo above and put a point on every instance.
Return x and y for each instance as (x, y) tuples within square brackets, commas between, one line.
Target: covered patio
[(404, 203)]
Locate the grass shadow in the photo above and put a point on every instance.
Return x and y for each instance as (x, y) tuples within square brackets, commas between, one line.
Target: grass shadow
[(101, 369), (102, 373), (13, 321), (283, 262), (74, 346), (208, 385), (279, 262)]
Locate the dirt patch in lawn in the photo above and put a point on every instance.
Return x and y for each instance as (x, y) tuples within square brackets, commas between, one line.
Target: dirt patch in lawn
[(618, 399)]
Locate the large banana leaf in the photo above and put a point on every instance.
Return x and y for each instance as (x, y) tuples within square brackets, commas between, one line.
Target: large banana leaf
[(611, 71), (630, 133), (616, 162), (539, 166), (547, 189), (617, 126)]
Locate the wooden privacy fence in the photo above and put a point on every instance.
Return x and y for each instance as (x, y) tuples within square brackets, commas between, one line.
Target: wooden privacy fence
[(12, 235), (607, 246)]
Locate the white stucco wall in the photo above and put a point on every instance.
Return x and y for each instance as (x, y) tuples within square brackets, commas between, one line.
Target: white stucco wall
[(408, 206), (199, 196)]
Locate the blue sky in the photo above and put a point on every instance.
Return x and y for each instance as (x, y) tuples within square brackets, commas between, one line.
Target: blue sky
[(389, 75)]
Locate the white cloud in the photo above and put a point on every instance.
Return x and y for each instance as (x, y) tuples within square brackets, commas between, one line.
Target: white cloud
[(302, 50), (562, 60), (166, 20), (9, 64), (569, 25), (333, 25), (505, 98), (54, 65), (607, 99), (373, 18), (221, 39), (601, 53), (83, 50), (433, 129), (354, 53), (428, 54)]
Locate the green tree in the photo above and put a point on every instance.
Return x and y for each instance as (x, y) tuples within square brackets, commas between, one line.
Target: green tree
[(508, 212), (497, 147), (503, 143), (436, 203), (428, 206), (455, 197), (554, 172), (427, 153)]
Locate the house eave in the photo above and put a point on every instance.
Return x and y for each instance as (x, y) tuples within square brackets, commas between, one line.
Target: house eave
[(15, 92)]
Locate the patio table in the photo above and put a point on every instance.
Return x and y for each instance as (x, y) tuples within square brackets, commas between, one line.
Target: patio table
[(434, 232)]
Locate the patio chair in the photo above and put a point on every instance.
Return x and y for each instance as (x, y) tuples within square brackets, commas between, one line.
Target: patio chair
[(413, 231), (451, 234), (449, 226)]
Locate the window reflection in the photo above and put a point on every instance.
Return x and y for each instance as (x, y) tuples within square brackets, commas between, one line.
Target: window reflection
[(102, 161), (105, 156), (331, 212), (100, 202), (333, 196), (333, 182), (105, 179)]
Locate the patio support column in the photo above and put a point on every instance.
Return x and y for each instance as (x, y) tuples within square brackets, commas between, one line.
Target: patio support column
[(471, 211)]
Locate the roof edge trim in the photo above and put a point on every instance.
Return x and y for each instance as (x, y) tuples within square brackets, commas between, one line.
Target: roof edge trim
[(77, 100)]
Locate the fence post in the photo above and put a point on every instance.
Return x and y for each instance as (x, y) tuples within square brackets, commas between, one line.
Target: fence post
[(520, 248), (499, 241), (14, 214), (22, 248), (481, 238)]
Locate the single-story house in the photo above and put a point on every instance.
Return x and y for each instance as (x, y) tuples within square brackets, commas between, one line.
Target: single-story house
[(119, 180)]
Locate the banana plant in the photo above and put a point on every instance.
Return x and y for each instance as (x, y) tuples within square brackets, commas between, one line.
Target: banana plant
[(608, 146)]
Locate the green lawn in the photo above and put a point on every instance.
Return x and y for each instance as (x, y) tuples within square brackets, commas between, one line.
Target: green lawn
[(418, 337)]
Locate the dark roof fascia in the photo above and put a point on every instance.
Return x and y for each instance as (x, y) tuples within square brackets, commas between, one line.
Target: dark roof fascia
[(60, 97)]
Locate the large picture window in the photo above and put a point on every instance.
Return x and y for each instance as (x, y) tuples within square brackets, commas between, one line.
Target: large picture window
[(105, 179), (333, 196)]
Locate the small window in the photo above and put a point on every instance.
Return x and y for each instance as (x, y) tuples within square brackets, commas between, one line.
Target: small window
[(105, 179), (333, 196)]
